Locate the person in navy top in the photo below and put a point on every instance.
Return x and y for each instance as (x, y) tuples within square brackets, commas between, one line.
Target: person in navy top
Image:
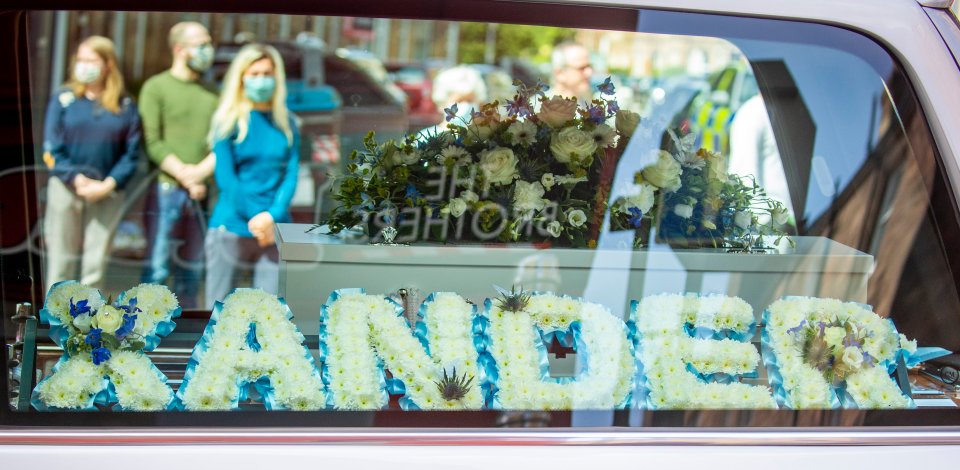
[(91, 144), (256, 143)]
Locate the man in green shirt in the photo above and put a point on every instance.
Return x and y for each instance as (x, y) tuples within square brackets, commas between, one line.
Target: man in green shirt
[(176, 108)]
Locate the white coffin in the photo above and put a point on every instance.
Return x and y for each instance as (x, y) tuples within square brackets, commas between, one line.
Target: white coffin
[(313, 265)]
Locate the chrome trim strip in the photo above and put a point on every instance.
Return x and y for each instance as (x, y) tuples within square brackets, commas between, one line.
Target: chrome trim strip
[(941, 4), (759, 437)]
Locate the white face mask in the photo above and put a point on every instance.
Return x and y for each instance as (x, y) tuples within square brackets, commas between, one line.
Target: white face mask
[(86, 73)]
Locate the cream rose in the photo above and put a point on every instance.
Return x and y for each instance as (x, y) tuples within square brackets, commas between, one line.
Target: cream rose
[(499, 165), (571, 145), (852, 357), (108, 319), (576, 218), (554, 228), (665, 173), (557, 110), (834, 335), (478, 133), (457, 207), (627, 122), (683, 210)]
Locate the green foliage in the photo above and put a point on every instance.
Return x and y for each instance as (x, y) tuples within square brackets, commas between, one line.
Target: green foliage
[(513, 40)]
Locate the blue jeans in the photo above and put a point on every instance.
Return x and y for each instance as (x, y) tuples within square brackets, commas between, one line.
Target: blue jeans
[(175, 228)]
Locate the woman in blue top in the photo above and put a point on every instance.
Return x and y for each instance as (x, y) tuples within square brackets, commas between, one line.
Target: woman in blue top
[(91, 143), (256, 143)]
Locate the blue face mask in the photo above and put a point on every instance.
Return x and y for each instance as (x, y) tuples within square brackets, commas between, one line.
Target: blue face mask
[(260, 88)]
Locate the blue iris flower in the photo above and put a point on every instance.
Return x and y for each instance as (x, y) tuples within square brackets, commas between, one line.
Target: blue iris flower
[(93, 338), (612, 107), (412, 192), (606, 88), (127, 327), (637, 218), (79, 308), (451, 112), (100, 355), (541, 88), (597, 114), (367, 202), (131, 306)]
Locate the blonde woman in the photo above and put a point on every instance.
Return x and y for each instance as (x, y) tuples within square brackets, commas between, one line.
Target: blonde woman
[(91, 142), (256, 143)]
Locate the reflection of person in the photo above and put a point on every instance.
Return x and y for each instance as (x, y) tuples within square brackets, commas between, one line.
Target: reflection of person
[(92, 138), (256, 143), (753, 150), (571, 71), (176, 109), (462, 86)]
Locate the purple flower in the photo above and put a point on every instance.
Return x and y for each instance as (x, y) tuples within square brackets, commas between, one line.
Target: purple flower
[(637, 217), (822, 326), (127, 327), (519, 107), (597, 114), (451, 112), (79, 308), (131, 306), (868, 359), (851, 341), (797, 328), (100, 355), (93, 338), (612, 107), (606, 88), (541, 88)]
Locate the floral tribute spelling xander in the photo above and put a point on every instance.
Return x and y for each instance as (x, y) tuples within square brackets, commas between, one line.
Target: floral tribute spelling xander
[(527, 174), (103, 344)]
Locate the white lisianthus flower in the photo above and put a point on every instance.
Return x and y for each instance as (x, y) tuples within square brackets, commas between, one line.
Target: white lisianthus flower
[(743, 219), (557, 111), (528, 197), (604, 136), (683, 210), (573, 146), (499, 165), (457, 154), (469, 196), (83, 322), (548, 181), (852, 357), (108, 319), (909, 345), (627, 122), (554, 228), (665, 173), (780, 216), (576, 218), (456, 207), (523, 132)]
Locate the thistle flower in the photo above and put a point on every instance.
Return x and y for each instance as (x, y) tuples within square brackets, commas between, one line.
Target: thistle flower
[(513, 301), (453, 387)]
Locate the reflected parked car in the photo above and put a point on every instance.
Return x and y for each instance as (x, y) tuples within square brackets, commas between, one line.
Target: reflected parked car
[(416, 80)]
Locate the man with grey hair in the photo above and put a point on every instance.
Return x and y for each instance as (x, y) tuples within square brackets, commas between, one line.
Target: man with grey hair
[(176, 107), (571, 71)]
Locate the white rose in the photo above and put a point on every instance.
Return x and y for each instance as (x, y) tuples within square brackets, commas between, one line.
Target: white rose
[(524, 132), (108, 319), (683, 210), (457, 207), (82, 322), (576, 218), (528, 197), (469, 196), (627, 122), (554, 228), (643, 200), (743, 219), (571, 145), (557, 110), (407, 158), (852, 357), (665, 173), (548, 181), (834, 335), (499, 165), (478, 133)]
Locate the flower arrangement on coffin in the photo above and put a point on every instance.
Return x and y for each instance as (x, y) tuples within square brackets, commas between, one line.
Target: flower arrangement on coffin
[(519, 173), (824, 353), (103, 344), (692, 200)]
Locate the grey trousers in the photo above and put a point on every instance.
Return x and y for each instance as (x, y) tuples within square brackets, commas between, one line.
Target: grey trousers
[(77, 235), (229, 254)]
